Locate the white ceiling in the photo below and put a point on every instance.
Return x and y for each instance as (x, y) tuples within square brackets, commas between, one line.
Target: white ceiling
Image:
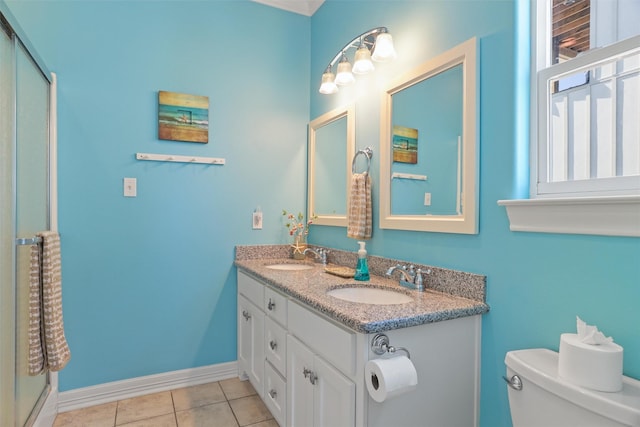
[(303, 7)]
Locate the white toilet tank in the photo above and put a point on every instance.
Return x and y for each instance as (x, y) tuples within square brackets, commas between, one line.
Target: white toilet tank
[(547, 400)]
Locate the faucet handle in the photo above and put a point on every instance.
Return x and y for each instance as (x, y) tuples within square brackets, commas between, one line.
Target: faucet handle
[(418, 278)]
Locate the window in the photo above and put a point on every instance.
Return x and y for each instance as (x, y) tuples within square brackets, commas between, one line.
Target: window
[(585, 128), (588, 98)]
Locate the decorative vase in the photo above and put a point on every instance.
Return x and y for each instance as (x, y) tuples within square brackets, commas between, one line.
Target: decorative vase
[(299, 245)]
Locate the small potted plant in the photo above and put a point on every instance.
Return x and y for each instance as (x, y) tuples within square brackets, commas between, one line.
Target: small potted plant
[(299, 229)]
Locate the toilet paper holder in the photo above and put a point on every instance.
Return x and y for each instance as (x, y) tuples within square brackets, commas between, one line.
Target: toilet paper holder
[(380, 345)]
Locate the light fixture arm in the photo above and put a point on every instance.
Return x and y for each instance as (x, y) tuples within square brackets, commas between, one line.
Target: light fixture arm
[(368, 38)]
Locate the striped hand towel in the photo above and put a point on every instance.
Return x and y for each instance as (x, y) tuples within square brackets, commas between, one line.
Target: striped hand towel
[(359, 218), (48, 348)]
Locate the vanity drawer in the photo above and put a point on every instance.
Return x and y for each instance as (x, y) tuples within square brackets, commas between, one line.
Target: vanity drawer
[(275, 305), (275, 344), (335, 344), (251, 288), (275, 393)]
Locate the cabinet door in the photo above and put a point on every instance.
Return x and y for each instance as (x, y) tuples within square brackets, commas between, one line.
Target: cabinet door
[(299, 387), (275, 393), (334, 397), (275, 344), (251, 343)]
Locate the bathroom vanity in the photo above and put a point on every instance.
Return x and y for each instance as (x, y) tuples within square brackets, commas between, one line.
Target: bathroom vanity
[(305, 351)]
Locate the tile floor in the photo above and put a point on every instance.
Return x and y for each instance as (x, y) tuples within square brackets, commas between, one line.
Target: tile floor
[(227, 403)]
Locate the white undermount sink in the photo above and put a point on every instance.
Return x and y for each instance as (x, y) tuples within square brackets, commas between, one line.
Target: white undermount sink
[(368, 295), (289, 267)]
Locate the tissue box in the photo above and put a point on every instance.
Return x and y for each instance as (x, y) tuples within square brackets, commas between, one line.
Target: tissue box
[(598, 367)]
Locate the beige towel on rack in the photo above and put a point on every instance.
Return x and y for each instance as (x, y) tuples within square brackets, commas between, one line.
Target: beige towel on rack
[(359, 219), (48, 348)]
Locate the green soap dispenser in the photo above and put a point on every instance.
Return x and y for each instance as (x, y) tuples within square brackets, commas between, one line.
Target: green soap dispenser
[(362, 269)]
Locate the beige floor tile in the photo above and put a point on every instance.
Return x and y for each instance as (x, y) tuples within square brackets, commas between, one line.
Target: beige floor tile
[(168, 420), (215, 415), (199, 395), (95, 416), (234, 388), (268, 423), (143, 407), (250, 410)]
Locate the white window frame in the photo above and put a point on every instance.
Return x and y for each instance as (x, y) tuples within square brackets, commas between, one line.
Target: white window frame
[(612, 212)]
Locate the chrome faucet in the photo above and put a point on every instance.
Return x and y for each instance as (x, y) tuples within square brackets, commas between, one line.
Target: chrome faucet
[(411, 277), (319, 253)]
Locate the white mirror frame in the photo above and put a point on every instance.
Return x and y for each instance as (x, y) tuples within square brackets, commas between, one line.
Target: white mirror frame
[(467, 222), (323, 120)]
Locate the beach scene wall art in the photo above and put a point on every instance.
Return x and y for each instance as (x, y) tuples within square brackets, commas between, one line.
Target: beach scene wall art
[(183, 117), (405, 145)]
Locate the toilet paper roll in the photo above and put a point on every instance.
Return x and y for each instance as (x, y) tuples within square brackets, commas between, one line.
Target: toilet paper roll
[(387, 378), (598, 367)]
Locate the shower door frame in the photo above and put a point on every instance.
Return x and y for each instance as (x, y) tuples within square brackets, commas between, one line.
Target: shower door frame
[(45, 409)]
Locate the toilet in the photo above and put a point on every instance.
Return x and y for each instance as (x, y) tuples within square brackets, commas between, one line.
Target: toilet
[(546, 400)]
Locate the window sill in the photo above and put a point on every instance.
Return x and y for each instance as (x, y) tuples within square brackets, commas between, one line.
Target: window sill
[(606, 216)]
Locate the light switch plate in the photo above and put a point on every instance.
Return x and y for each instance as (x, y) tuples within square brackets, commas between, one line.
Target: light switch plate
[(257, 220), (427, 199)]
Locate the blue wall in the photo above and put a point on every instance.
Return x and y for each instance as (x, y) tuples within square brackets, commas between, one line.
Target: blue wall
[(537, 283), (149, 283)]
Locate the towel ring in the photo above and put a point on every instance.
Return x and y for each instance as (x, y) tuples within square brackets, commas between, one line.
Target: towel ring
[(368, 153)]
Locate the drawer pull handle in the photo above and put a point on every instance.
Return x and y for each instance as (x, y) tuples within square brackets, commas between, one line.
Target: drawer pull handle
[(273, 345), (273, 393), (271, 305), (313, 378), (246, 315)]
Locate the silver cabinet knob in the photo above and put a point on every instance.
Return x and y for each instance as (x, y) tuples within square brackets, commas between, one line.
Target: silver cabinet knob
[(273, 345), (271, 305), (246, 315), (273, 393)]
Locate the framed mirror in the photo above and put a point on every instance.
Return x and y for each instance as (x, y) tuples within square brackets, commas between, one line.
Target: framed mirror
[(331, 148), (428, 146)]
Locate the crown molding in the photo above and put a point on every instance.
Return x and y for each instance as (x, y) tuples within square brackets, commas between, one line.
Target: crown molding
[(303, 7)]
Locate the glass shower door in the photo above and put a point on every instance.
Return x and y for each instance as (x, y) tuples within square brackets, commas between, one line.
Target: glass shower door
[(32, 215)]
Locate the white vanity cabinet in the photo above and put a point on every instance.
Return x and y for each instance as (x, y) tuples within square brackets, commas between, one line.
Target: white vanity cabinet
[(250, 342), (310, 369), (321, 358), (275, 348), (262, 342)]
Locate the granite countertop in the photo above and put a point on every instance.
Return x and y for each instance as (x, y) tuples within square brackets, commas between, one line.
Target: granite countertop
[(310, 287)]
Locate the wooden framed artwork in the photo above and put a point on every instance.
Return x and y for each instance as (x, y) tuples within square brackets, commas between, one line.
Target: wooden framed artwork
[(183, 117)]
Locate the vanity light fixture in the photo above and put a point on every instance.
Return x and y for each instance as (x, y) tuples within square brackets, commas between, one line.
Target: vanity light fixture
[(375, 44), (344, 76)]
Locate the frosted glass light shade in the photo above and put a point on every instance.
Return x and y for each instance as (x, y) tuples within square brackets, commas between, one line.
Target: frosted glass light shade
[(344, 75), (362, 63), (328, 85), (384, 51)]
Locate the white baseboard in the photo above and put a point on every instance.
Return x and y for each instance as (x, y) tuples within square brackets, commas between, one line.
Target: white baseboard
[(118, 390)]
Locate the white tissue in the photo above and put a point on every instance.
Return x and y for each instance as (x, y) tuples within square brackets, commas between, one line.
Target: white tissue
[(591, 360), (590, 334)]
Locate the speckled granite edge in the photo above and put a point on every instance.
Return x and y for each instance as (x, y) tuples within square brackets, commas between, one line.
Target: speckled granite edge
[(459, 283), (245, 252)]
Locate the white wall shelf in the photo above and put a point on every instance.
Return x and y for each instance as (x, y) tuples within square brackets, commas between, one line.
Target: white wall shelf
[(400, 175), (180, 159)]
